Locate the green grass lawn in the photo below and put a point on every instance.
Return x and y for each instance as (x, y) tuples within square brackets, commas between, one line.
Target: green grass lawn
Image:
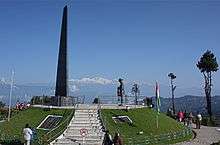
[(33, 116), (143, 120)]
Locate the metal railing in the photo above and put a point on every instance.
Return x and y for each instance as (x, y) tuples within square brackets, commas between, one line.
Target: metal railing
[(160, 139)]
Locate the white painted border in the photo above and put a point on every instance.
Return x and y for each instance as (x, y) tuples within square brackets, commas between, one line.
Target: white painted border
[(122, 117), (46, 119)]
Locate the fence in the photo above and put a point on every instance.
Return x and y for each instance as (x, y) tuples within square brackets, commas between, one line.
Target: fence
[(161, 139), (116, 99)]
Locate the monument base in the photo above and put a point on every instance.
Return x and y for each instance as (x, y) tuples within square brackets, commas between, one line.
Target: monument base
[(62, 100)]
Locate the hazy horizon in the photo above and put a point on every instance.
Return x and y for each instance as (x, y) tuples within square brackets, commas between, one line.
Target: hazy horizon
[(149, 38)]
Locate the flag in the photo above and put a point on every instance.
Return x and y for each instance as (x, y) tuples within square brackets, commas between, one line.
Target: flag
[(158, 97)]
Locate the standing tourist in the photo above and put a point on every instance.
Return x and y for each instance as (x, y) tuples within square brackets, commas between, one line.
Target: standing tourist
[(198, 120), (27, 132), (107, 138), (190, 120), (117, 139)]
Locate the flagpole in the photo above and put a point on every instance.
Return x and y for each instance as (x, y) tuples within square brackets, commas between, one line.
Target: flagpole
[(158, 104), (9, 107), (157, 121)]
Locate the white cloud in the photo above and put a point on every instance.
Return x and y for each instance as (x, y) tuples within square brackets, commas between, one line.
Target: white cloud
[(73, 88), (94, 80)]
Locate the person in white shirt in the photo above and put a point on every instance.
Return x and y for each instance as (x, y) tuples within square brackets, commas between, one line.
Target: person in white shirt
[(27, 132), (199, 120)]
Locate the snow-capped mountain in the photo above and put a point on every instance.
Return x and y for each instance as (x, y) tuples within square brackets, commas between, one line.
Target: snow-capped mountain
[(91, 87), (3, 81), (94, 80)]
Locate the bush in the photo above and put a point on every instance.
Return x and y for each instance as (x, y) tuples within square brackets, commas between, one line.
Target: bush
[(2, 105), (207, 122), (217, 143), (11, 142), (3, 113)]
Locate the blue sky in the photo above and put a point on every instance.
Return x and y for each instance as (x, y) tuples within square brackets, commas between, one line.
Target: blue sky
[(134, 39)]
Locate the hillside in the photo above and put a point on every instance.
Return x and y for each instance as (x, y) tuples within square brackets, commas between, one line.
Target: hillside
[(191, 103), (11, 132), (144, 120)]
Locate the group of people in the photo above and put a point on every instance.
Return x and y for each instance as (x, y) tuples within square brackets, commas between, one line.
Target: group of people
[(187, 118), (22, 106), (117, 140)]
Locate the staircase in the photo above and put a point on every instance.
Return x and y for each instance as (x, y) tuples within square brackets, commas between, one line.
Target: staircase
[(85, 128)]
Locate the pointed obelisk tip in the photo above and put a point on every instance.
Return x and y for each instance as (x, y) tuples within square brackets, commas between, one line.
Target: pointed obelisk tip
[(65, 7)]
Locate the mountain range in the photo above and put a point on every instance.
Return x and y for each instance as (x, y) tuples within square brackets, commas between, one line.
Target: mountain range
[(91, 87)]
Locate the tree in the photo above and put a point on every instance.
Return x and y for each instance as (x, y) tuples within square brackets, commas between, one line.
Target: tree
[(172, 77), (136, 92), (208, 64), (2, 105)]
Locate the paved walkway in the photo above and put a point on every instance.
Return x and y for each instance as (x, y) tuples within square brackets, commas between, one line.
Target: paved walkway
[(204, 136), (85, 122)]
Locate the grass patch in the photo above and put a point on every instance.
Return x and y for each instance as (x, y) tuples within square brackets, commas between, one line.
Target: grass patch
[(144, 119), (10, 131)]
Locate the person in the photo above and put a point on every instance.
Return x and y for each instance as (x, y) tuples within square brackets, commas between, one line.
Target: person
[(180, 116), (190, 120), (117, 139), (107, 138), (27, 132), (185, 117), (198, 120)]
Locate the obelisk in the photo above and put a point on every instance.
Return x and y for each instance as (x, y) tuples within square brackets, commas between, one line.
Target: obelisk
[(62, 71)]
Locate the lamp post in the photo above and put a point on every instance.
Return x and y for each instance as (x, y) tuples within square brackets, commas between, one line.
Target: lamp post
[(120, 90), (172, 77), (135, 90)]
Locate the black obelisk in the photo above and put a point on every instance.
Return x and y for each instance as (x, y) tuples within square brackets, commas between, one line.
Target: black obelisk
[(62, 71)]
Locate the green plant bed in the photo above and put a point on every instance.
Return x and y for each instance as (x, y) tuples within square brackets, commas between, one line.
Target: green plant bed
[(12, 131), (144, 120)]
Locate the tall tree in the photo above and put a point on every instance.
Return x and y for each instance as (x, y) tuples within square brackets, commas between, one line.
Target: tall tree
[(207, 65), (172, 77), (136, 92), (2, 104)]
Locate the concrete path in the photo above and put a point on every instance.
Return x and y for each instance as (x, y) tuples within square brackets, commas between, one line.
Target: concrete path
[(204, 136), (86, 122)]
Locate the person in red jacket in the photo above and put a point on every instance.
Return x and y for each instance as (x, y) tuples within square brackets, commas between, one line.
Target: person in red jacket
[(180, 116)]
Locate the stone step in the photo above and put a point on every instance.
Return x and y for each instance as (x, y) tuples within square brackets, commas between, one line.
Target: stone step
[(66, 141), (85, 124), (85, 118), (77, 132), (86, 114), (88, 128), (87, 111), (78, 136), (86, 140), (76, 143), (84, 121)]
